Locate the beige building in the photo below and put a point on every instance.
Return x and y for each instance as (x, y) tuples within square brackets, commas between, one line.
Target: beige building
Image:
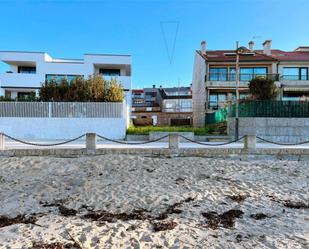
[(162, 106), (214, 75)]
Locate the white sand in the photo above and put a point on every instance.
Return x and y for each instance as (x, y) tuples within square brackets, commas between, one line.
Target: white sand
[(121, 183)]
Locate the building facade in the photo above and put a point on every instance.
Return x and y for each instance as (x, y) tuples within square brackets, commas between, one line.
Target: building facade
[(162, 106), (28, 70), (214, 75)]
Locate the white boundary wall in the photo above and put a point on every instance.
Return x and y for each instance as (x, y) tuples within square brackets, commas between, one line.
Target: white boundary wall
[(62, 128), (40, 121)]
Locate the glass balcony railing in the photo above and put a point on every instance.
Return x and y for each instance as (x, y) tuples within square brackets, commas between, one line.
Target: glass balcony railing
[(294, 77), (242, 77)]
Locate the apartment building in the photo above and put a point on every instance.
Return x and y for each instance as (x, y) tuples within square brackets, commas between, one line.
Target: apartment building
[(162, 106), (28, 70), (214, 75)]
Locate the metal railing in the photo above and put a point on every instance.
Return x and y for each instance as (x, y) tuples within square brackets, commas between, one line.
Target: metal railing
[(61, 110), (294, 77), (272, 108), (242, 77)]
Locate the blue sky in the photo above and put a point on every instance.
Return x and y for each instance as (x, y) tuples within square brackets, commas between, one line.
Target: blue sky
[(68, 29)]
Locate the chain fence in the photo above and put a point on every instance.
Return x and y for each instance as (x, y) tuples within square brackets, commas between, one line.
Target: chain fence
[(131, 143), (211, 144), (39, 144), (282, 144), (148, 142)]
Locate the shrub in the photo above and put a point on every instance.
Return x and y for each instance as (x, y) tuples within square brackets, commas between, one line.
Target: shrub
[(263, 89), (95, 89)]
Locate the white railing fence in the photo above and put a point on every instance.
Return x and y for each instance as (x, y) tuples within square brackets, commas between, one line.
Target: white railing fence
[(62, 110)]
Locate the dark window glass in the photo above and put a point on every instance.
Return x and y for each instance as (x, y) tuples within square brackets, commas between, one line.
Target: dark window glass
[(109, 72), (23, 95), (218, 74), (59, 77), (22, 69)]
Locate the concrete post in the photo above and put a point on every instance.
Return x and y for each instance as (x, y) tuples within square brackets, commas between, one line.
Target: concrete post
[(2, 141), (250, 142), (91, 141), (173, 141)]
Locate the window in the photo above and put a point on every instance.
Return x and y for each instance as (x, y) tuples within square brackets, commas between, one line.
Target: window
[(109, 72), (295, 73), (59, 77), (22, 69), (24, 95), (248, 73), (218, 74), (217, 100)]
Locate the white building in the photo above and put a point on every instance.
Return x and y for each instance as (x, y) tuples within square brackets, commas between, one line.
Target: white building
[(28, 70)]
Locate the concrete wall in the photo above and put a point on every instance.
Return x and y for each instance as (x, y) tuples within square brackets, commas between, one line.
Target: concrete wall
[(198, 91), (62, 128), (284, 130)]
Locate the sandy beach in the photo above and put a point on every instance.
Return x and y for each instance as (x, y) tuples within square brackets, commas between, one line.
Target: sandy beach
[(121, 201)]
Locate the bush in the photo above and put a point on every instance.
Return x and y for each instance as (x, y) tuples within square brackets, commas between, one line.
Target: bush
[(95, 89), (263, 89), (144, 130)]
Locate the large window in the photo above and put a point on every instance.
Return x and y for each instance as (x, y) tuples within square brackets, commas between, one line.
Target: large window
[(248, 73), (218, 74), (217, 100), (109, 72), (22, 69), (59, 77), (295, 73)]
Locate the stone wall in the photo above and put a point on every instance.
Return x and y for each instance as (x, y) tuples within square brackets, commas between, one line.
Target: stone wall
[(284, 130)]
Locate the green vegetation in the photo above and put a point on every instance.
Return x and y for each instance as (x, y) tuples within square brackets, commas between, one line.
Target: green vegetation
[(209, 129), (263, 89), (1, 179), (95, 89)]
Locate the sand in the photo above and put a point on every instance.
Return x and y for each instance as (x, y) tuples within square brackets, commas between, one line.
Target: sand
[(202, 202)]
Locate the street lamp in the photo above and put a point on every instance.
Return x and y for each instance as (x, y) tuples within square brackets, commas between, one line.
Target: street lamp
[(239, 51)]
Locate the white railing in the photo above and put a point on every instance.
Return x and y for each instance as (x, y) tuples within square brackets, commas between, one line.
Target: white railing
[(62, 110)]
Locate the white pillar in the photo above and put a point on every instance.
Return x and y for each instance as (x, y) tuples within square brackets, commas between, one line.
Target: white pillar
[(91, 141), (250, 142), (2, 141), (173, 142)]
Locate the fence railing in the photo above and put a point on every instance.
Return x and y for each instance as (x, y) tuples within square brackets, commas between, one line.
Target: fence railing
[(280, 109), (62, 109), (242, 76)]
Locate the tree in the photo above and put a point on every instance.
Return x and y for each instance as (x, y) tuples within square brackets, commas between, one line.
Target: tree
[(262, 88), (114, 91)]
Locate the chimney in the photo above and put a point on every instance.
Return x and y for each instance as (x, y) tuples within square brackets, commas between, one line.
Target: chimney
[(203, 47), (251, 45), (153, 86), (267, 47)]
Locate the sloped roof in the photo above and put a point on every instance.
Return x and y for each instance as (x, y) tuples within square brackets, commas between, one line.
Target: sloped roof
[(221, 56), (276, 55)]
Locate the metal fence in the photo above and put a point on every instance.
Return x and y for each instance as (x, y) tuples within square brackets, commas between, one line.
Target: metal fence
[(62, 110), (280, 109)]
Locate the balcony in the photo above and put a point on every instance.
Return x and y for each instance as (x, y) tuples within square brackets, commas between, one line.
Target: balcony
[(146, 109), (299, 81), (20, 80), (229, 80)]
